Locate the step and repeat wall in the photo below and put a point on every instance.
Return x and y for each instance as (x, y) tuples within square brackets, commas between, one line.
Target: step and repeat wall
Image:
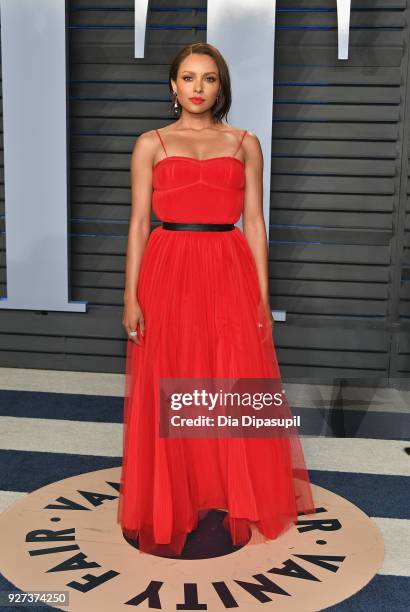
[(339, 212)]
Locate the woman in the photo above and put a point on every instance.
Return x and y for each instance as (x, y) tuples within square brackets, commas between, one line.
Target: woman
[(196, 304)]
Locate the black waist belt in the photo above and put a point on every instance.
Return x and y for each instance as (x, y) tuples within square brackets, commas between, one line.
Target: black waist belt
[(208, 227)]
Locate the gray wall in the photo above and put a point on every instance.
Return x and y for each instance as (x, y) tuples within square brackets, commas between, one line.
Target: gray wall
[(340, 214)]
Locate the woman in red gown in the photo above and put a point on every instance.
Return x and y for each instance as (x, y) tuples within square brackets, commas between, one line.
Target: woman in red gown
[(196, 304)]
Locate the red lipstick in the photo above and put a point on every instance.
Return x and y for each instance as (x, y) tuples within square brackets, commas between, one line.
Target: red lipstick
[(197, 100)]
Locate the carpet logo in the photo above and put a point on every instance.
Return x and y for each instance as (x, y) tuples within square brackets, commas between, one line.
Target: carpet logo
[(65, 537)]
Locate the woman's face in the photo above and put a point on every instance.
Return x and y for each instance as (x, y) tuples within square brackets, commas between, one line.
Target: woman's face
[(197, 78)]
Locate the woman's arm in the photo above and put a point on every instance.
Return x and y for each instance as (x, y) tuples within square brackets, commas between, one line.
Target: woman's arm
[(254, 227), (138, 233), (140, 219)]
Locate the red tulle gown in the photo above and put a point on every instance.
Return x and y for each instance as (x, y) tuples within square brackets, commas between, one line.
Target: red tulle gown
[(200, 297)]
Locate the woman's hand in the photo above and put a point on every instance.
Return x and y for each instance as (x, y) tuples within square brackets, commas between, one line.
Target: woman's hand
[(269, 315), (131, 318)]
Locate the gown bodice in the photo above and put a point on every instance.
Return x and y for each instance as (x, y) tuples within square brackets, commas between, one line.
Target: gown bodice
[(190, 190)]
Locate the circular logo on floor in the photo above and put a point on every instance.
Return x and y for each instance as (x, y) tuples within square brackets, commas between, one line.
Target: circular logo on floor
[(64, 539)]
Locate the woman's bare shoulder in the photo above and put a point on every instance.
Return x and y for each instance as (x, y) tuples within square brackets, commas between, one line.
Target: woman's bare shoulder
[(147, 138), (237, 133), (145, 145), (251, 142)]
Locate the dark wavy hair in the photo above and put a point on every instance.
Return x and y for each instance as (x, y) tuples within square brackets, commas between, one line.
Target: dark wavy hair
[(221, 107)]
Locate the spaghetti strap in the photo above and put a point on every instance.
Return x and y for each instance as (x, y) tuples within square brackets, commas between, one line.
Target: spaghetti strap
[(163, 146), (240, 144)]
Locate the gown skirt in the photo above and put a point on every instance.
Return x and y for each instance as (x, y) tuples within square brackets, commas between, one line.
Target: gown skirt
[(204, 318)]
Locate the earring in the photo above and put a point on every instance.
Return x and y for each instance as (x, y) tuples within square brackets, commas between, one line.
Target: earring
[(175, 102)]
